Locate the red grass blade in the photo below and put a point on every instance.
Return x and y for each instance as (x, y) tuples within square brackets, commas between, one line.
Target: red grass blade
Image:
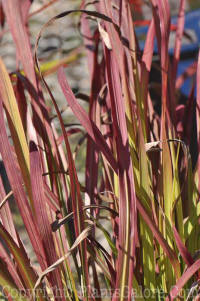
[(16, 182), (183, 280), (6, 215), (179, 34), (159, 237), (189, 72), (146, 67), (41, 215), (22, 261), (11, 267), (182, 248), (88, 124), (13, 10)]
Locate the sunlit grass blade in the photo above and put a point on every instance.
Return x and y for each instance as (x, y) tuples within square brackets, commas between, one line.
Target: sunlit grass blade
[(15, 124)]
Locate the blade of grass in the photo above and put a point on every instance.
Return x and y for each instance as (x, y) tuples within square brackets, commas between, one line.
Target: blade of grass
[(75, 193), (16, 182), (23, 263), (15, 124), (179, 34), (183, 280), (6, 215), (8, 285), (42, 218), (11, 268), (88, 124)]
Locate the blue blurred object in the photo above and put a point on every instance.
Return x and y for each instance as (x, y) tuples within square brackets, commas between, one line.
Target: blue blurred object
[(189, 48)]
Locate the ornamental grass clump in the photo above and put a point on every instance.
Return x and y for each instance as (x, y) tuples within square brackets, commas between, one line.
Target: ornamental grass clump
[(130, 229)]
